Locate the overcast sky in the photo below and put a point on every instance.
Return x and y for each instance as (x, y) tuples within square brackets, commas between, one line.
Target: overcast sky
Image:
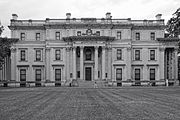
[(42, 9)]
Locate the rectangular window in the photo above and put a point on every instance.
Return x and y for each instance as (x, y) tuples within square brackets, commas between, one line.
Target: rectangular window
[(98, 33), (23, 55), (152, 54), (137, 54), (58, 75), (78, 33), (57, 35), (152, 74), (37, 36), (38, 74), (138, 36), (38, 55), (23, 75), (152, 36), (119, 74), (137, 74), (118, 35), (22, 36), (58, 55), (119, 54)]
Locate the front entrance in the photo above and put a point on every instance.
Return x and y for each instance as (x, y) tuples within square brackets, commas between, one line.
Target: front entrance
[(88, 74)]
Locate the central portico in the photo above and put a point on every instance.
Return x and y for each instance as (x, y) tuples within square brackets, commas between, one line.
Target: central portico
[(88, 57)]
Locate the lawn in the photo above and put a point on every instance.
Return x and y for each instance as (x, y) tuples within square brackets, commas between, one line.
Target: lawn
[(60, 103)]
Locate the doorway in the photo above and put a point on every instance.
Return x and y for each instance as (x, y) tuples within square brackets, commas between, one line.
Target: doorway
[(88, 74)]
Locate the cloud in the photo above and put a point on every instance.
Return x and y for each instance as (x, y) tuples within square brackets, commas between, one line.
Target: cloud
[(41, 9)]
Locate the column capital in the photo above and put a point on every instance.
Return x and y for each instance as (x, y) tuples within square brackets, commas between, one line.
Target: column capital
[(162, 49), (104, 47), (129, 48), (81, 47), (68, 48), (96, 47), (74, 47), (48, 48), (13, 50)]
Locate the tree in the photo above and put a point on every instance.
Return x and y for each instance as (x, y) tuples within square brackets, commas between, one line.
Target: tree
[(173, 25), (5, 44)]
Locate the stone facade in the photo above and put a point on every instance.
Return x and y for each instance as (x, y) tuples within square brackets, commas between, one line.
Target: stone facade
[(92, 49)]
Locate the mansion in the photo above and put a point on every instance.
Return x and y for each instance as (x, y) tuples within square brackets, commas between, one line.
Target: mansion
[(91, 49)]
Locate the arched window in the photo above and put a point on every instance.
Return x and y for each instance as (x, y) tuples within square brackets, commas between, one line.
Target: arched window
[(88, 54)]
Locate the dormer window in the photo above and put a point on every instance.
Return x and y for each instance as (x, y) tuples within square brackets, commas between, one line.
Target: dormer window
[(98, 33), (78, 33)]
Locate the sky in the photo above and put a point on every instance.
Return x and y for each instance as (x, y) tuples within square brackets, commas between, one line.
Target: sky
[(42, 9)]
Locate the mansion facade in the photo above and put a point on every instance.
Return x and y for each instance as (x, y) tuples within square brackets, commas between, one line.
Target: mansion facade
[(92, 49)]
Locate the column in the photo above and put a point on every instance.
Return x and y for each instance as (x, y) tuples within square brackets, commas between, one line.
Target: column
[(74, 62), (176, 64), (68, 63), (161, 63), (48, 64), (128, 61), (103, 62), (96, 63), (81, 63), (109, 63), (13, 64)]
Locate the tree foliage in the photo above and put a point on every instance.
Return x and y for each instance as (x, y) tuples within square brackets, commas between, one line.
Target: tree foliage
[(173, 25)]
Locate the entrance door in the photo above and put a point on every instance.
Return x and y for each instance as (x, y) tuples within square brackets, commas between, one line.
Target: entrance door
[(88, 73)]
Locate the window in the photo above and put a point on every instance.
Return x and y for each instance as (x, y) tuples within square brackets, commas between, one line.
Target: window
[(58, 76), (37, 36), (118, 35), (38, 55), (137, 54), (137, 74), (119, 74), (23, 75), (78, 33), (58, 55), (88, 54), (38, 74), (152, 74), (152, 54), (98, 33), (137, 36), (119, 54), (22, 36), (23, 55), (57, 35), (152, 36)]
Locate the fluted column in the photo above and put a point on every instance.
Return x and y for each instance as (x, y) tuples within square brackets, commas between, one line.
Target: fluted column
[(128, 60), (109, 63), (81, 62), (96, 63), (176, 63), (67, 63), (103, 62), (74, 62), (13, 64), (161, 62), (48, 63)]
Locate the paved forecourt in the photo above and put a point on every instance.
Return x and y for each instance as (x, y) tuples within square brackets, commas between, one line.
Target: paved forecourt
[(60, 103)]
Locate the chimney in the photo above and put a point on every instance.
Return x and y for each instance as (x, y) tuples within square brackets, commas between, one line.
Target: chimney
[(158, 16), (68, 15), (14, 16), (108, 15)]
